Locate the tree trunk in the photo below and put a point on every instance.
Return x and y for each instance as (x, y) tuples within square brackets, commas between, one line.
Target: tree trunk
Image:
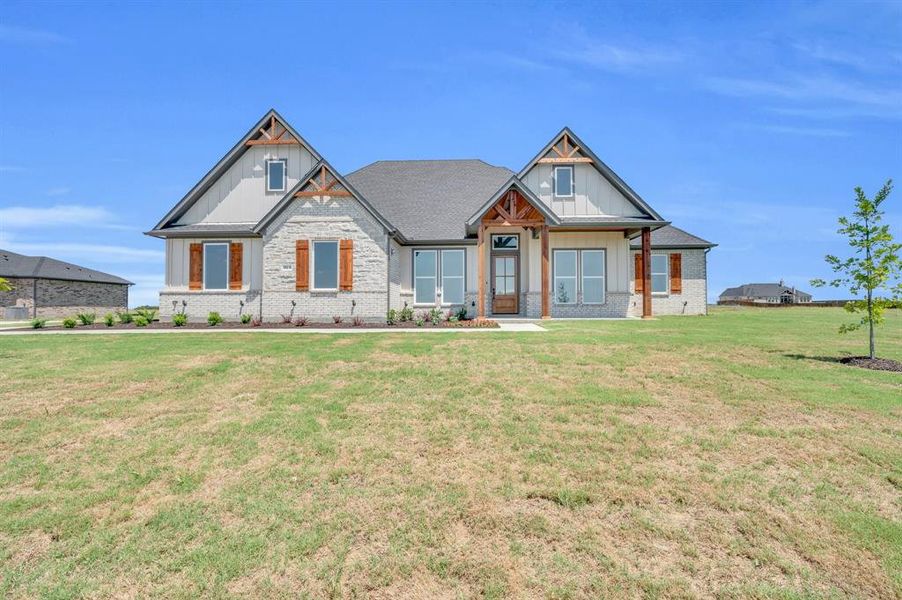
[(871, 324)]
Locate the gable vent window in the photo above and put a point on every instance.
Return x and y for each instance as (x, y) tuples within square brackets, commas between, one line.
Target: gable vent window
[(276, 175), (563, 182)]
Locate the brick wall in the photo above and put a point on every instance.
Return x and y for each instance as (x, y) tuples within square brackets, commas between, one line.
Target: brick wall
[(61, 298), (694, 297)]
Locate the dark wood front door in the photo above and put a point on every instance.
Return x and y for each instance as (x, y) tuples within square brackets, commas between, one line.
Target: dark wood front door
[(505, 284)]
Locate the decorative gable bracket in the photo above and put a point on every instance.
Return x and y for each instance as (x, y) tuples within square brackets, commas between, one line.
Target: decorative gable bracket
[(322, 183), (276, 134), (565, 151)]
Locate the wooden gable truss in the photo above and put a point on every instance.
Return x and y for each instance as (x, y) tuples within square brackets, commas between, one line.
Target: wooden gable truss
[(273, 134), (322, 183), (564, 151), (513, 210)]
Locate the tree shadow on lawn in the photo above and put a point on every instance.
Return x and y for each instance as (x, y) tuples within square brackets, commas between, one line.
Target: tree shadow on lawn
[(826, 359)]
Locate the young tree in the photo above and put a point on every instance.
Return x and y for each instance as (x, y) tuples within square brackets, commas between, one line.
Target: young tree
[(874, 266), (5, 286)]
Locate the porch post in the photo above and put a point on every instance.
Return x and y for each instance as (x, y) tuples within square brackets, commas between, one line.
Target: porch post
[(480, 260), (546, 299), (646, 272)]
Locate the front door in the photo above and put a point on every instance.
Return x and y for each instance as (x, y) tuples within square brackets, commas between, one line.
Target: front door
[(505, 284)]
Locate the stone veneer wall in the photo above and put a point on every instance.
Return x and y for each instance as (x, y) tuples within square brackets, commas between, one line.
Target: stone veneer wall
[(63, 298), (694, 297)]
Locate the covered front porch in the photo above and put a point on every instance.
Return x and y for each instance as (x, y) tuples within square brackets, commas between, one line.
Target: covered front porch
[(533, 264)]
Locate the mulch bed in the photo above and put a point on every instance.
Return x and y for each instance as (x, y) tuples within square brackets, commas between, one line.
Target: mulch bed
[(484, 324), (878, 364)]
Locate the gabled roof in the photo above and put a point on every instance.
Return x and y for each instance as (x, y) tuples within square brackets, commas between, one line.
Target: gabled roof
[(324, 168), (227, 161), (761, 290), (513, 182), (672, 237), (42, 267), (600, 166), (429, 200)]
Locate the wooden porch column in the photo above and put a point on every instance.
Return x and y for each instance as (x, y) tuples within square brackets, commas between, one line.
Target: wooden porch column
[(480, 258), (546, 287), (646, 273)]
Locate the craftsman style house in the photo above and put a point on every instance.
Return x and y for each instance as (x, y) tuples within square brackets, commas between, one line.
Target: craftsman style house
[(274, 230)]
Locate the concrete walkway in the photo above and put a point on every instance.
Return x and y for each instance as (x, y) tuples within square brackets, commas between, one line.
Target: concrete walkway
[(503, 328)]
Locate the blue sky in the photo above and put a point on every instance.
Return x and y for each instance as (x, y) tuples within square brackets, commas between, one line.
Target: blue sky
[(746, 124)]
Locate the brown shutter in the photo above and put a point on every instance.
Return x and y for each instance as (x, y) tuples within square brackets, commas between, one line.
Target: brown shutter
[(236, 256), (196, 267), (302, 265), (346, 265), (640, 274), (676, 273)]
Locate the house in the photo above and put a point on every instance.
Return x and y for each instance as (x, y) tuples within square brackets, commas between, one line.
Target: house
[(764, 293), (46, 287), (273, 229)]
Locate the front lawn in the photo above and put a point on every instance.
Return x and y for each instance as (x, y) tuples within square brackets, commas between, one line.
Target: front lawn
[(726, 456)]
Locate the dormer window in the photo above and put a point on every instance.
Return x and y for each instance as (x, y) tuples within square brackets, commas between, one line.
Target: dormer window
[(563, 182), (276, 174)]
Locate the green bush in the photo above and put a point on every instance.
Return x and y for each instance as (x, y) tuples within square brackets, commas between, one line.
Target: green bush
[(141, 321), (246, 318), (392, 317), (109, 319), (149, 314), (179, 319), (38, 323), (125, 317), (406, 313), (69, 323), (214, 318), (435, 315), (86, 318), (461, 313)]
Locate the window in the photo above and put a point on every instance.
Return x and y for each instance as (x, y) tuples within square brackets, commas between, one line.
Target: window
[(424, 276), (505, 275), (216, 266), (658, 273), (452, 276), (563, 181), (593, 276), (505, 242), (276, 175), (325, 265), (565, 276)]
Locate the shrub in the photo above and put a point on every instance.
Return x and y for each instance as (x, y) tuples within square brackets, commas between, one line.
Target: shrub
[(358, 321), (256, 322), (336, 319), (214, 318), (246, 318), (300, 321), (462, 313), (109, 319), (38, 323), (406, 313), (86, 318), (179, 319), (435, 315), (69, 323), (141, 321), (420, 322), (148, 313), (125, 317), (392, 317), (453, 319), (286, 319)]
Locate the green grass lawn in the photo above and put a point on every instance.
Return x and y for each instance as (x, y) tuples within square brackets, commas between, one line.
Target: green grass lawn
[(726, 456)]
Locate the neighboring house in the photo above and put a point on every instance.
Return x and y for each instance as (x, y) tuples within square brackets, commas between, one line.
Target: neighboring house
[(274, 230), (46, 287), (765, 293)]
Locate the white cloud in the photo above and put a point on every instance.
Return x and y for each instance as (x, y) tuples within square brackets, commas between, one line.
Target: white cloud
[(96, 253), (11, 169), (58, 191), (807, 131), (617, 58), (69, 215), (21, 35)]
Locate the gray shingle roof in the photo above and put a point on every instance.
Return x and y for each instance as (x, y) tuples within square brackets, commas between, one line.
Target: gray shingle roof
[(429, 199), (672, 237), (760, 290), (41, 267), (232, 229)]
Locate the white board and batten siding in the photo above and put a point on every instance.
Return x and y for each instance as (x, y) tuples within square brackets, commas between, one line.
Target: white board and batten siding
[(239, 195), (594, 195), (617, 255), (178, 257)]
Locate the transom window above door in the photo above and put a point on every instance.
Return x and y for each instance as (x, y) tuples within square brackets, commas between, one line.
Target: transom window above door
[(505, 242)]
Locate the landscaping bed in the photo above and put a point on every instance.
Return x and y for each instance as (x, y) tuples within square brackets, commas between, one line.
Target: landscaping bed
[(472, 323), (878, 364)]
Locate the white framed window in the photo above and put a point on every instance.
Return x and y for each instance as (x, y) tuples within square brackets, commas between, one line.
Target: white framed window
[(564, 276), (276, 174), (216, 266), (505, 242), (453, 276), (592, 271), (659, 273), (563, 181), (425, 276), (325, 265)]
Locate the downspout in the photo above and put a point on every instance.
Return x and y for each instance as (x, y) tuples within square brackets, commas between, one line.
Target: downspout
[(34, 298), (387, 273), (706, 280)]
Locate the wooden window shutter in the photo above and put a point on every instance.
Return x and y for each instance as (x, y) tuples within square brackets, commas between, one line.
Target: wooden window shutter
[(196, 267), (640, 274), (676, 273), (346, 264), (236, 257), (302, 265)]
